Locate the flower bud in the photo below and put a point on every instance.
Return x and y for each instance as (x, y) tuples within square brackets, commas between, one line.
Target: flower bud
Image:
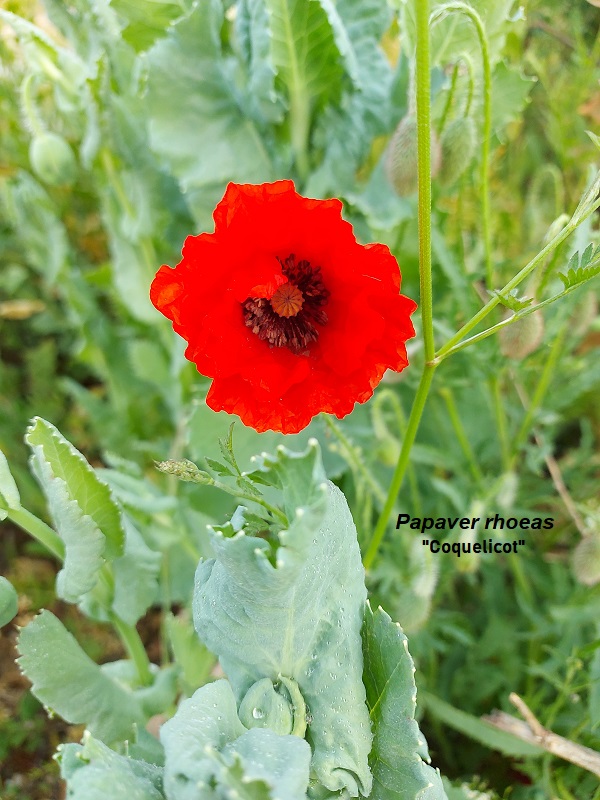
[(522, 337), (458, 148), (52, 159), (264, 707), (278, 706), (401, 159), (586, 560)]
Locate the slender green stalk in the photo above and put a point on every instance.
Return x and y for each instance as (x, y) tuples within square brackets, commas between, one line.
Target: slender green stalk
[(540, 389), (574, 222), (449, 99), (423, 91), (473, 16), (402, 465), (460, 434), (38, 529), (423, 96), (236, 492), (134, 647)]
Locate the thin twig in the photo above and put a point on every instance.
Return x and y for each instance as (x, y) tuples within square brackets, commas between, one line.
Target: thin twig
[(533, 731)]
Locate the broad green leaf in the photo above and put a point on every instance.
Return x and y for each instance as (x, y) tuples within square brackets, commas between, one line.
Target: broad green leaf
[(399, 751), (84, 513), (146, 20), (299, 619), (32, 214), (254, 40), (303, 48), (136, 575), (346, 132), (510, 95), (69, 683), (194, 660), (90, 768), (83, 485), (9, 601), (207, 746), (196, 123), (9, 493)]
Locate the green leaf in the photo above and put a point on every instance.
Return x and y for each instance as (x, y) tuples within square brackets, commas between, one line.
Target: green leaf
[(510, 95), (299, 619), (196, 122), (32, 215), (91, 767), (84, 513), (207, 746), (253, 37), (9, 493), (512, 300), (345, 132), (581, 268), (303, 48), (9, 602), (146, 20), (477, 729), (136, 575), (69, 683), (396, 760), (194, 660)]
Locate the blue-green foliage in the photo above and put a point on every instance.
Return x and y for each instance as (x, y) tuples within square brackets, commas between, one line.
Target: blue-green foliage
[(283, 608)]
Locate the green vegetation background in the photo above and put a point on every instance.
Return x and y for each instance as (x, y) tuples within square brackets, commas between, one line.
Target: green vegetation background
[(154, 118)]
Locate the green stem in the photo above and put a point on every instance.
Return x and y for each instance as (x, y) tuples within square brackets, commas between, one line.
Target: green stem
[(134, 647), (541, 389), (252, 498), (473, 16), (402, 465), (35, 527), (423, 88), (423, 92), (449, 99), (460, 434), (575, 221)]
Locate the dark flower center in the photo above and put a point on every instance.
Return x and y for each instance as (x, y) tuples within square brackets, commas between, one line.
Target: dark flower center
[(290, 318)]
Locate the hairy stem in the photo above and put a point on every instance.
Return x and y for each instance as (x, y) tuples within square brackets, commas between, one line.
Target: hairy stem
[(423, 92), (473, 16)]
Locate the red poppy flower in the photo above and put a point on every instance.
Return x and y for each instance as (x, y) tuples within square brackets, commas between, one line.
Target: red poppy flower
[(284, 309)]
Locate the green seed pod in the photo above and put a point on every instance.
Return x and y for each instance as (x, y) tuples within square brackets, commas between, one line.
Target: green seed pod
[(401, 159), (522, 337), (458, 148), (586, 560), (52, 159)]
